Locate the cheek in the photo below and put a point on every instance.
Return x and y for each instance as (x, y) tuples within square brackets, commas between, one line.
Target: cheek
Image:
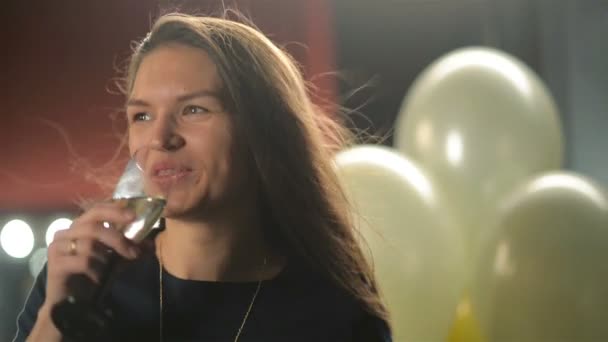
[(223, 170), (211, 152), (239, 166), (230, 169)]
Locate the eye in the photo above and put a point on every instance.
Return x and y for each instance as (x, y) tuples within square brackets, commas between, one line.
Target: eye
[(195, 110), (142, 116)]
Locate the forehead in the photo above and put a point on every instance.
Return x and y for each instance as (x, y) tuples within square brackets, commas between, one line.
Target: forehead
[(175, 69)]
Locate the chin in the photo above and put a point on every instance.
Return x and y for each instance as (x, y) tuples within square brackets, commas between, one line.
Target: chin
[(180, 209), (175, 211)]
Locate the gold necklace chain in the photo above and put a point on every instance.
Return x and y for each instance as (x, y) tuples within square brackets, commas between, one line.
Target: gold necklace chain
[(160, 300)]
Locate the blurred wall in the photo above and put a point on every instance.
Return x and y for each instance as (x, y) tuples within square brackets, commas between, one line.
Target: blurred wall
[(573, 43), (384, 44), (588, 87)]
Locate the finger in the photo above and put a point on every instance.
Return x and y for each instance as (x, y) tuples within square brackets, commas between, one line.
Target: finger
[(85, 247), (61, 245), (104, 212), (87, 266), (116, 241), (95, 239)]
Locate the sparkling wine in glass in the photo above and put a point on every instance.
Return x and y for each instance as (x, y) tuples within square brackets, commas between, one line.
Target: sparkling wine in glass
[(130, 192)]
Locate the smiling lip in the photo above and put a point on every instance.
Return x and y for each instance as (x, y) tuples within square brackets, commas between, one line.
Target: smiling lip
[(169, 172)]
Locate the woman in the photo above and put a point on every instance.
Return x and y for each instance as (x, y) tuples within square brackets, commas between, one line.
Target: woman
[(258, 244)]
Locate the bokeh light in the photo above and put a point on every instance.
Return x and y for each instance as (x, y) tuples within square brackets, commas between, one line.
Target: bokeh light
[(58, 224), (17, 239)]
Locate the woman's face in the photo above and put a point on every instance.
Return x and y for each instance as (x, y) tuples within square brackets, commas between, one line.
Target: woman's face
[(175, 107)]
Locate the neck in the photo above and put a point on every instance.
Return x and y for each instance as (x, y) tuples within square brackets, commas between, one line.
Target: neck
[(231, 248)]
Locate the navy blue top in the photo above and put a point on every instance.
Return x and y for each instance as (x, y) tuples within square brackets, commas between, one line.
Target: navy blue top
[(296, 305)]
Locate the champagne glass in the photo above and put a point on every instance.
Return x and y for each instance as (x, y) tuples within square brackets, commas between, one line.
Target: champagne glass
[(131, 191), (81, 316)]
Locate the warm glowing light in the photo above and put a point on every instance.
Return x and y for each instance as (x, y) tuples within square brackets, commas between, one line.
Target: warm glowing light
[(58, 224), (17, 239)]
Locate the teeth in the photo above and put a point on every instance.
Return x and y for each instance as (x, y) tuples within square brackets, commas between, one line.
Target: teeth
[(167, 172)]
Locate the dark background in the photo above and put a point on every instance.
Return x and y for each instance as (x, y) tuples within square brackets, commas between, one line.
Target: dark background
[(58, 58)]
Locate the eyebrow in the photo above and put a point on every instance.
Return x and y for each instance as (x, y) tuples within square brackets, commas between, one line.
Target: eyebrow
[(183, 98)]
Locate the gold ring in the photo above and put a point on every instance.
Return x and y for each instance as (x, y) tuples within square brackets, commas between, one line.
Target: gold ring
[(72, 250)]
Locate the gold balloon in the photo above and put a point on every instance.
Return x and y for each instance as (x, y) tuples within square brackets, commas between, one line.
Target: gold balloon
[(466, 326), (480, 122), (416, 249), (543, 271)]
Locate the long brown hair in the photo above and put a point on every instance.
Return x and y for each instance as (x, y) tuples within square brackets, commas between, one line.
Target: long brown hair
[(290, 141)]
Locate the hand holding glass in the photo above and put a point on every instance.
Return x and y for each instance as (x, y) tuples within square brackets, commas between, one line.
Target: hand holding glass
[(84, 318)]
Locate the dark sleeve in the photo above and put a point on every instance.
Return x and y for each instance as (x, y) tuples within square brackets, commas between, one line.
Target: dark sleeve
[(27, 316), (371, 329)]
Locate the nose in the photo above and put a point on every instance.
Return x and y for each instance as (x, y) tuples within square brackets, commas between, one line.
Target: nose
[(165, 134)]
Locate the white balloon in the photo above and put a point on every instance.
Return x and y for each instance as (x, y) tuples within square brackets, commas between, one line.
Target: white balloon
[(416, 249), (480, 122), (542, 274)]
